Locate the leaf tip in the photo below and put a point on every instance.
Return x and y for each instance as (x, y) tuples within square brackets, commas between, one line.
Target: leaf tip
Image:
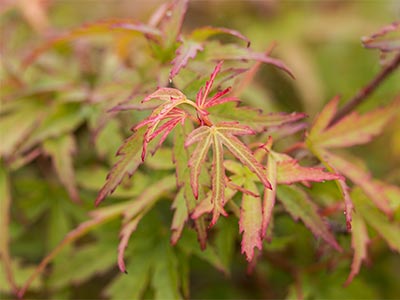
[(99, 199)]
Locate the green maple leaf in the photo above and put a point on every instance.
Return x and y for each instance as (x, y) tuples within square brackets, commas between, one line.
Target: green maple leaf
[(130, 160), (353, 129), (217, 136)]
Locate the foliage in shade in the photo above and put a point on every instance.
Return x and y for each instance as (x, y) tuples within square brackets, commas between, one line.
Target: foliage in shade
[(298, 204), (5, 203), (61, 151)]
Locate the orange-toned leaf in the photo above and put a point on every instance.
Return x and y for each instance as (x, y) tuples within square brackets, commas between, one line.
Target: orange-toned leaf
[(353, 129), (96, 28), (323, 119)]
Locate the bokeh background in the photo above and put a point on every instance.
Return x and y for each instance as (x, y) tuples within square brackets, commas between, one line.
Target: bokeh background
[(321, 42)]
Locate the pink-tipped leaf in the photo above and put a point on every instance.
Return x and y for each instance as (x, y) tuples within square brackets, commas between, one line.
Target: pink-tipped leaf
[(359, 243), (203, 93)]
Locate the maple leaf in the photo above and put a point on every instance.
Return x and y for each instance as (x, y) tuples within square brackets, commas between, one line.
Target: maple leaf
[(251, 117), (136, 211), (184, 202), (290, 171), (250, 223), (362, 178), (203, 102), (194, 43), (126, 165), (386, 39), (388, 230), (284, 170), (359, 243), (220, 135), (353, 129), (169, 19), (167, 110), (217, 52), (298, 204), (281, 170)]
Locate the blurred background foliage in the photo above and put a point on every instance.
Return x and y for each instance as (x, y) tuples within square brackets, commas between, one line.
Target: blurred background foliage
[(319, 40)]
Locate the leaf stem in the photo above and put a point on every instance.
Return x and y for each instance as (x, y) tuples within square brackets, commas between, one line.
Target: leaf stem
[(367, 90)]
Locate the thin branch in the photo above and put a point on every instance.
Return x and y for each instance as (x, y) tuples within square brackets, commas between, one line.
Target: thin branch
[(367, 90)]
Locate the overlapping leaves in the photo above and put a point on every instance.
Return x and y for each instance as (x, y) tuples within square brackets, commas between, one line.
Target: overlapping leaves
[(353, 129), (205, 182), (217, 136)]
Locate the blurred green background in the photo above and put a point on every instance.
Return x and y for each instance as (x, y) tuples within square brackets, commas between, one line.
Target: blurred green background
[(320, 41)]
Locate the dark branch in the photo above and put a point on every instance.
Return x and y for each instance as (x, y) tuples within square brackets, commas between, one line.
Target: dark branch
[(367, 90)]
